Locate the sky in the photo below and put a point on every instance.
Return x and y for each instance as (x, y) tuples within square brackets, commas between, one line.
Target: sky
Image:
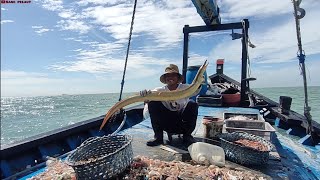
[(54, 47)]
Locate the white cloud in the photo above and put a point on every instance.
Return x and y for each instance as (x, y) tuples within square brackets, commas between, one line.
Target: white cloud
[(196, 59), (98, 62), (288, 75), (52, 5), (36, 27), (3, 9), (6, 21), (151, 18), (67, 14), (276, 44), (99, 2), (243, 9), (74, 25), (235, 10), (11, 74), (40, 30), (78, 40)]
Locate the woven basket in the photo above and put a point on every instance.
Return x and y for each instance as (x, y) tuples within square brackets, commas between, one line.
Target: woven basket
[(101, 157), (242, 154)]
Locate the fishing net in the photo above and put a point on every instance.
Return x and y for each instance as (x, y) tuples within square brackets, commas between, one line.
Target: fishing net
[(101, 157), (246, 149)]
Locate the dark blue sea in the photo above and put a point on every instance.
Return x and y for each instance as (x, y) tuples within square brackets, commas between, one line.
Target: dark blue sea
[(22, 117)]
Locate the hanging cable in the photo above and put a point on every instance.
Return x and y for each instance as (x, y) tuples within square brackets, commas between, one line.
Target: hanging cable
[(128, 48)]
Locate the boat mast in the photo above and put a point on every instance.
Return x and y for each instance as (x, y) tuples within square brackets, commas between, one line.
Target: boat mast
[(301, 57)]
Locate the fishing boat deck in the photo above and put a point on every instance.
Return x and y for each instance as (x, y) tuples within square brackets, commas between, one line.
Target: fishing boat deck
[(280, 165)]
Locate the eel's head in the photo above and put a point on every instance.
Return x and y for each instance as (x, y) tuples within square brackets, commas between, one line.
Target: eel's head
[(200, 74)]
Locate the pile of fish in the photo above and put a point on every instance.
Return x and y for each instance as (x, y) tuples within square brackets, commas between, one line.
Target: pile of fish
[(56, 169), (240, 117), (154, 169), (252, 144)]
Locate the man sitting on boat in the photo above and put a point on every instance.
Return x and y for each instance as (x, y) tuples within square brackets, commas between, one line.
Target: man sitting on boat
[(174, 117)]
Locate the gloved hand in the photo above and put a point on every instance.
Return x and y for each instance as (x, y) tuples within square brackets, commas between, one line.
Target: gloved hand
[(144, 92)]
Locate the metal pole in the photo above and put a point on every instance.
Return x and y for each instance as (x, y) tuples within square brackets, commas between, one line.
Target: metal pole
[(187, 30), (301, 57), (185, 52), (244, 59)]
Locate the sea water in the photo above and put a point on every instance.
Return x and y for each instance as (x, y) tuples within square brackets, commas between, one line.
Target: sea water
[(23, 117)]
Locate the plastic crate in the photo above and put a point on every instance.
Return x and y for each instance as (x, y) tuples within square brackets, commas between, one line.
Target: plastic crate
[(265, 133), (252, 116), (258, 124), (212, 101)]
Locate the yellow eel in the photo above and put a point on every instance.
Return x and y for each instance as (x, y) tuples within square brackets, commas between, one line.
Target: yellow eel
[(160, 96)]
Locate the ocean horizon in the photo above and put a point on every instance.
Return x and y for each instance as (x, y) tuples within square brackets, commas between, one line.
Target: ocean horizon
[(23, 117), (254, 88)]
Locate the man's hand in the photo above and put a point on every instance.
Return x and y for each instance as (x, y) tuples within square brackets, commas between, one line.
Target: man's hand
[(145, 92), (204, 80)]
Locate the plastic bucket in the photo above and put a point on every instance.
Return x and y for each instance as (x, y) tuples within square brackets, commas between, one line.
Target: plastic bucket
[(212, 127), (231, 99), (191, 73)]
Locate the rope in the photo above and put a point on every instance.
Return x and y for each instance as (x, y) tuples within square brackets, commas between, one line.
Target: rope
[(301, 57), (124, 72), (128, 48)]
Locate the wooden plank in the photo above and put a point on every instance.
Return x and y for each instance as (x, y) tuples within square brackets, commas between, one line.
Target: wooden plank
[(173, 149)]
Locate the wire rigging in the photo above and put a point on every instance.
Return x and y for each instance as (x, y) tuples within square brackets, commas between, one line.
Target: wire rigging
[(128, 48), (299, 13)]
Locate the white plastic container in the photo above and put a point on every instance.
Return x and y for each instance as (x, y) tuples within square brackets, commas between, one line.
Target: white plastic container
[(202, 152)]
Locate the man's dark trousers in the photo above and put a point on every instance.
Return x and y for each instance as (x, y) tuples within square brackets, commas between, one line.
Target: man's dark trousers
[(162, 119)]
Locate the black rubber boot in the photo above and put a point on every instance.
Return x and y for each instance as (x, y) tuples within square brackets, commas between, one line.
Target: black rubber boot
[(188, 140), (154, 142)]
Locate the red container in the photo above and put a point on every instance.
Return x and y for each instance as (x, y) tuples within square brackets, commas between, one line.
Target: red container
[(231, 99)]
